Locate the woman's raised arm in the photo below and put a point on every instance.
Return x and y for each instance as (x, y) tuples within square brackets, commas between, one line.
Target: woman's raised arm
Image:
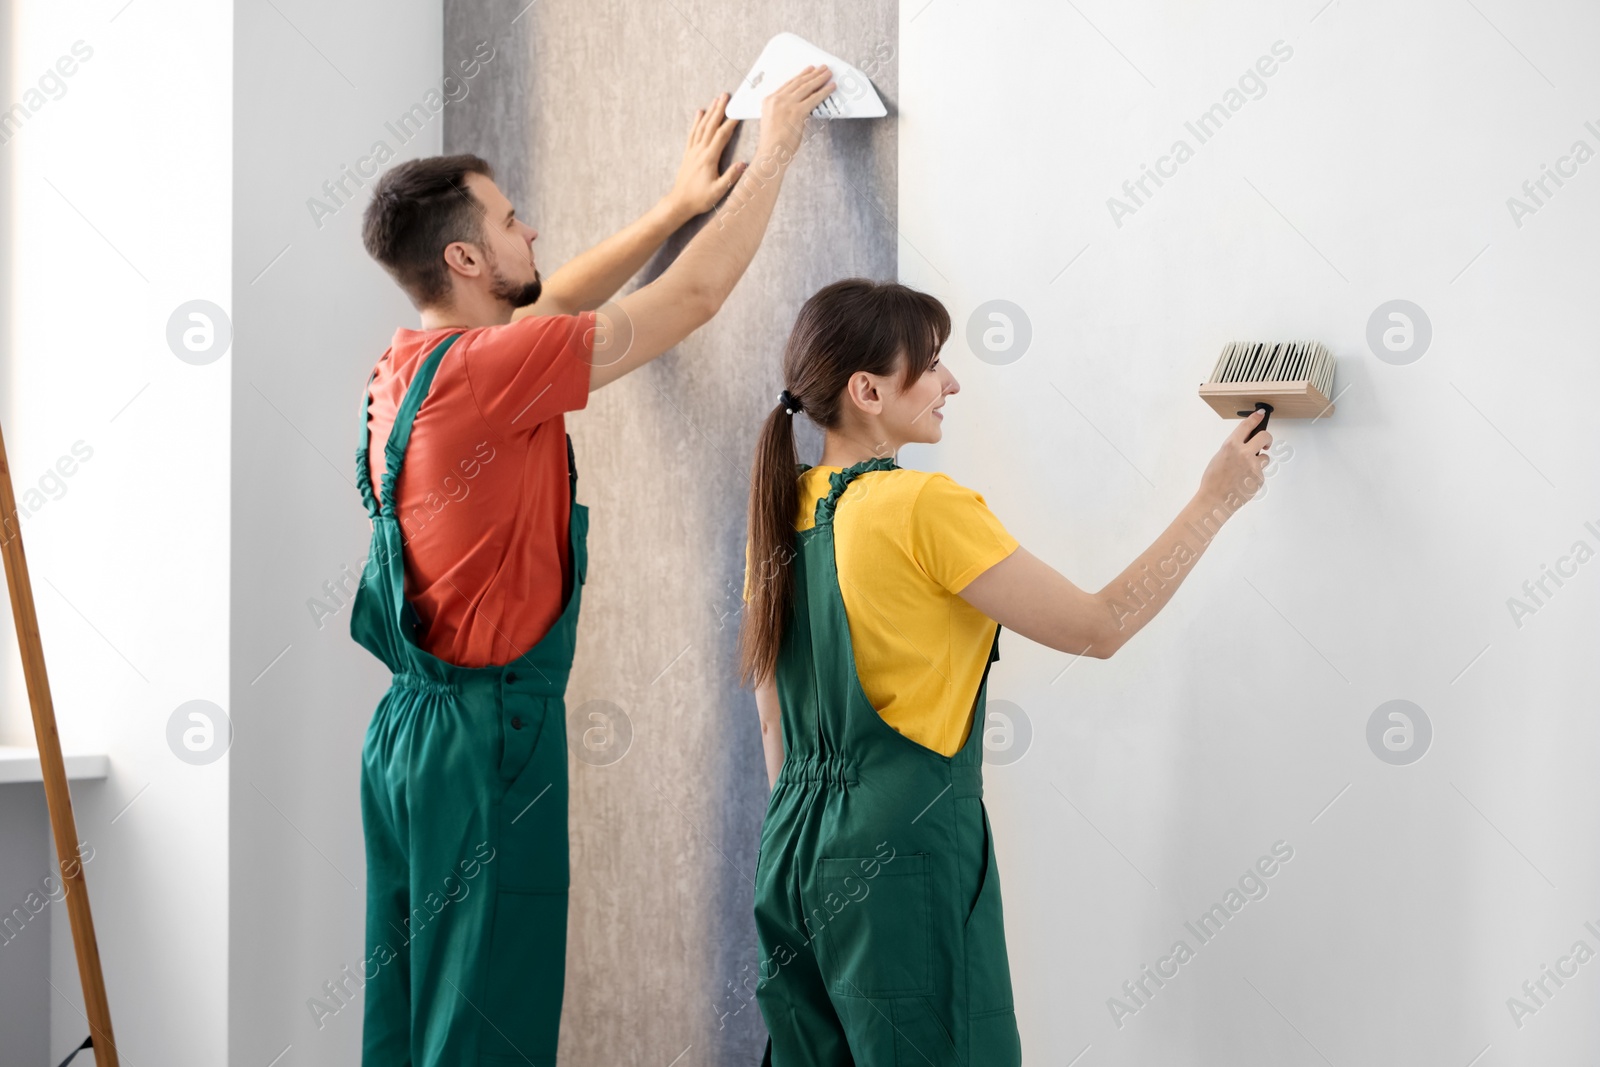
[(1028, 596)]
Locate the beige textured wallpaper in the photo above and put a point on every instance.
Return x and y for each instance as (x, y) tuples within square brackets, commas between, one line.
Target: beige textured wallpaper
[(583, 112)]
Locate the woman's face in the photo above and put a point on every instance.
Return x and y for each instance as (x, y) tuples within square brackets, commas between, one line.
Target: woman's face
[(915, 414)]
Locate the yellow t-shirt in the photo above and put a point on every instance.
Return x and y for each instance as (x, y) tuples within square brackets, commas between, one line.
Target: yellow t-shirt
[(907, 543)]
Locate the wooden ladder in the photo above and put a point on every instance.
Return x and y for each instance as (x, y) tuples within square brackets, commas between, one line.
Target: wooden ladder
[(56, 792)]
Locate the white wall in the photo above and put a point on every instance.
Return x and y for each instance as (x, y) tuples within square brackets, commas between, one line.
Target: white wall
[(1378, 563), (119, 212), (125, 202), (317, 86)]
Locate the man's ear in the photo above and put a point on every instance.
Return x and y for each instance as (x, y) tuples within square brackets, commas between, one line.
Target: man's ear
[(465, 259)]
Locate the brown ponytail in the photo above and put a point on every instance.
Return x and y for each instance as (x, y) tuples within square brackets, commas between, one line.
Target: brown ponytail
[(850, 326)]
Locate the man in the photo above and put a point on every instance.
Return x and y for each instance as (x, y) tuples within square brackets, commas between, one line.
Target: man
[(472, 587)]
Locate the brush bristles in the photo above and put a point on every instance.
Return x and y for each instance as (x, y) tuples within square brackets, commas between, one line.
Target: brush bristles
[(1283, 361)]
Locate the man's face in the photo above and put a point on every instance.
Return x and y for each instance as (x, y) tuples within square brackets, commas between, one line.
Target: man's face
[(508, 246)]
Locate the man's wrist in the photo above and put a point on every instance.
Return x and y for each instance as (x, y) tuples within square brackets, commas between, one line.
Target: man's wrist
[(771, 159)]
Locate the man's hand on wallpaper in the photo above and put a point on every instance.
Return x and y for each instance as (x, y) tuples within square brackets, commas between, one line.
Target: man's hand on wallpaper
[(699, 186), (590, 279)]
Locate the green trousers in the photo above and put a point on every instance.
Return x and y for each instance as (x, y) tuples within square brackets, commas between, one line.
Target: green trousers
[(464, 808), (877, 899)]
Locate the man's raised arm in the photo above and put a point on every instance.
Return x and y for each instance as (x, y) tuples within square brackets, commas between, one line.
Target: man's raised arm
[(592, 278), (638, 327)]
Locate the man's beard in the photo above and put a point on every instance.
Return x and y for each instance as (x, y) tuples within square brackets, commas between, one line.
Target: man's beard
[(520, 294)]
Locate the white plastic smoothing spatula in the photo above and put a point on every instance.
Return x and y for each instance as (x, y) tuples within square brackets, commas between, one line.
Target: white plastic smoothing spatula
[(787, 55)]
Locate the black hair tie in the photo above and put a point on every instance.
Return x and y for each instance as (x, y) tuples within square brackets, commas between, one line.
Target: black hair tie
[(790, 402)]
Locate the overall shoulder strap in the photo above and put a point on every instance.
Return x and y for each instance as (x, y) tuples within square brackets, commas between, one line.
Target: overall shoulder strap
[(394, 449), (363, 469), (839, 480), (572, 468)]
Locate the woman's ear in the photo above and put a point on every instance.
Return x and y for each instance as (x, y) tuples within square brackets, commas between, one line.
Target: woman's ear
[(865, 393)]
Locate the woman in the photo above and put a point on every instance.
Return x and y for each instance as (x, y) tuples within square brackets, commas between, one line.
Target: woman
[(876, 595)]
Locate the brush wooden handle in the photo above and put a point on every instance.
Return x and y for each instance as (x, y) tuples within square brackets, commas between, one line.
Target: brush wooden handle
[(1289, 400)]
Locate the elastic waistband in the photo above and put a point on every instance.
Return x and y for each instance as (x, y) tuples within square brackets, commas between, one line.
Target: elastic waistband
[(470, 682), (425, 684), (966, 780), (826, 770)]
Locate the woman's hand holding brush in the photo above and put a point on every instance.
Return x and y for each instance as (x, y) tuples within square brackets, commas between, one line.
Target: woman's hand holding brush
[(1234, 474)]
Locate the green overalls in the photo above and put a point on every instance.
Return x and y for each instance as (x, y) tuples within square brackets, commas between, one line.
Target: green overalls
[(877, 898), (464, 805)]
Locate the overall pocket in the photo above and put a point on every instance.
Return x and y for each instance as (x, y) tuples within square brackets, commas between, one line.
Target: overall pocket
[(520, 1013), (874, 930), (533, 851), (992, 1018)]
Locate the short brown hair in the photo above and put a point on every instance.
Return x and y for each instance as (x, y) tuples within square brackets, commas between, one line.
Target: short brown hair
[(417, 208)]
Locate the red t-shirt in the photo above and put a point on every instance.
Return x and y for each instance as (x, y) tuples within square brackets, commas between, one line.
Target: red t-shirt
[(483, 496)]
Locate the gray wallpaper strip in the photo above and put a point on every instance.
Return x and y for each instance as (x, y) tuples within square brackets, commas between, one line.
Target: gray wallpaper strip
[(583, 112)]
